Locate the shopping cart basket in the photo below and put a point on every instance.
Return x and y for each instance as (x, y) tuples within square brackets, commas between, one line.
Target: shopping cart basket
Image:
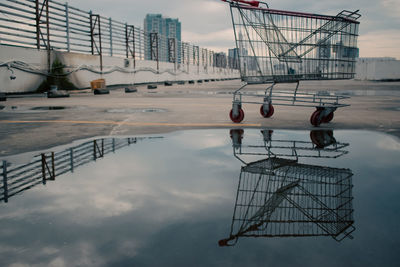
[(275, 46), (280, 197)]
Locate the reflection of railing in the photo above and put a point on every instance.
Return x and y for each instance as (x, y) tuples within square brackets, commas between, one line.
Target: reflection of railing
[(280, 197), (47, 166)]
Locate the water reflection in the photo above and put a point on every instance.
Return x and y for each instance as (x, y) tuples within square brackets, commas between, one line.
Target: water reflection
[(47, 166), (278, 196)]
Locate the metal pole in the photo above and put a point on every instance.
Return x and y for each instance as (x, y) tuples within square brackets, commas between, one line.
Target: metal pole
[(94, 150), (67, 26), (53, 167), (71, 158), (126, 41), (101, 51), (198, 59), (134, 49), (37, 25), (43, 169), (48, 37), (5, 186), (91, 32), (111, 44), (158, 65)]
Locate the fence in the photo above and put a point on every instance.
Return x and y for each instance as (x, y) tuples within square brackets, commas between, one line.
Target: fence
[(47, 166), (45, 24)]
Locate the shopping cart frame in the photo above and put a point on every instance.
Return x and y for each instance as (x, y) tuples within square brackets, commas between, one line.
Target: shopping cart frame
[(275, 192), (312, 56)]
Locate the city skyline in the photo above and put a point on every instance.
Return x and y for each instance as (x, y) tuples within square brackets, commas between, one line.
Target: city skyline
[(208, 23), (169, 36)]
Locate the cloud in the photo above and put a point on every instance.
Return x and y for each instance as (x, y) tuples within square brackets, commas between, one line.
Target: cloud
[(392, 7), (218, 40), (384, 43)]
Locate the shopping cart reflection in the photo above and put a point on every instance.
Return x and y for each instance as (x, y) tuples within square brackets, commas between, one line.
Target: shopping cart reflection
[(278, 196)]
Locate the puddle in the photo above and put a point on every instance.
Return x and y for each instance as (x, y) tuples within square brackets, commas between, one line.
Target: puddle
[(49, 108), (146, 110), (27, 109), (367, 93), (322, 196)]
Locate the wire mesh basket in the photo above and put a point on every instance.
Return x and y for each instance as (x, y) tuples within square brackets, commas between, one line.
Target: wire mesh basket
[(280, 197), (284, 46)]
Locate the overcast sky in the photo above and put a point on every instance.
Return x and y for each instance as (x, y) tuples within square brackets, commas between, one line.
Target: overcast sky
[(208, 23)]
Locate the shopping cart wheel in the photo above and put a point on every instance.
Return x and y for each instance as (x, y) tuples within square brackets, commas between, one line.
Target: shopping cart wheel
[(328, 118), (315, 119), (270, 111), (322, 138), (239, 118), (236, 132)]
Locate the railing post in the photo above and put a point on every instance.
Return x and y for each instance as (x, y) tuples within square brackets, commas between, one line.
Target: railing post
[(91, 32), (94, 150), (38, 16), (188, 57), (71, 158), (102, 147), (197, 57), (43, 168), (5, 185), (48, 36), (53, 167), (111, 43), (67, 27), (154, 53), (37, 24), (207, 60), (172, 51), (101, 52), (126, 41), (183, 53), (134, 47)]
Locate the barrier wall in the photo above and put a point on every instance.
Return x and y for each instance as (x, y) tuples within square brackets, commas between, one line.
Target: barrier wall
[(29, 66), (377, 69)]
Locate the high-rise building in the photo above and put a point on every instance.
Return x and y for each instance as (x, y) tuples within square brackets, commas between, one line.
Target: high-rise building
[(233, 58), (169, 38), (220, 60)]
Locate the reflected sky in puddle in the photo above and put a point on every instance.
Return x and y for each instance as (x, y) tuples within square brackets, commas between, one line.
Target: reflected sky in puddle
[(180, 199)]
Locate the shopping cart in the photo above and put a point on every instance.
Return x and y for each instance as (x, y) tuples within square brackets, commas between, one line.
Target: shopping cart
[(275, 46), (279, 197)]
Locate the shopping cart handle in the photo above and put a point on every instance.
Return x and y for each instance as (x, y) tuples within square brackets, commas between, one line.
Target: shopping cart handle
[(251, 3)]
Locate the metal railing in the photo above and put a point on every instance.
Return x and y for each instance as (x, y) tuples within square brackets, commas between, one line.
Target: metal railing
[(47, 166), (51, 25)]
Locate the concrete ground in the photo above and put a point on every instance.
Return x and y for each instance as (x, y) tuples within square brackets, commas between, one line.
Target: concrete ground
[(26, 125)]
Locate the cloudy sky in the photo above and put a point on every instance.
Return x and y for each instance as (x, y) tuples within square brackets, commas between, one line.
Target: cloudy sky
[(208, 23)]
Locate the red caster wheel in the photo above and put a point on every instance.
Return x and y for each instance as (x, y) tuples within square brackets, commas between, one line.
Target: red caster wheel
[(315, 118), (236, 136), (322, 138), (239, 118), (270, 111), (328, 118)]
